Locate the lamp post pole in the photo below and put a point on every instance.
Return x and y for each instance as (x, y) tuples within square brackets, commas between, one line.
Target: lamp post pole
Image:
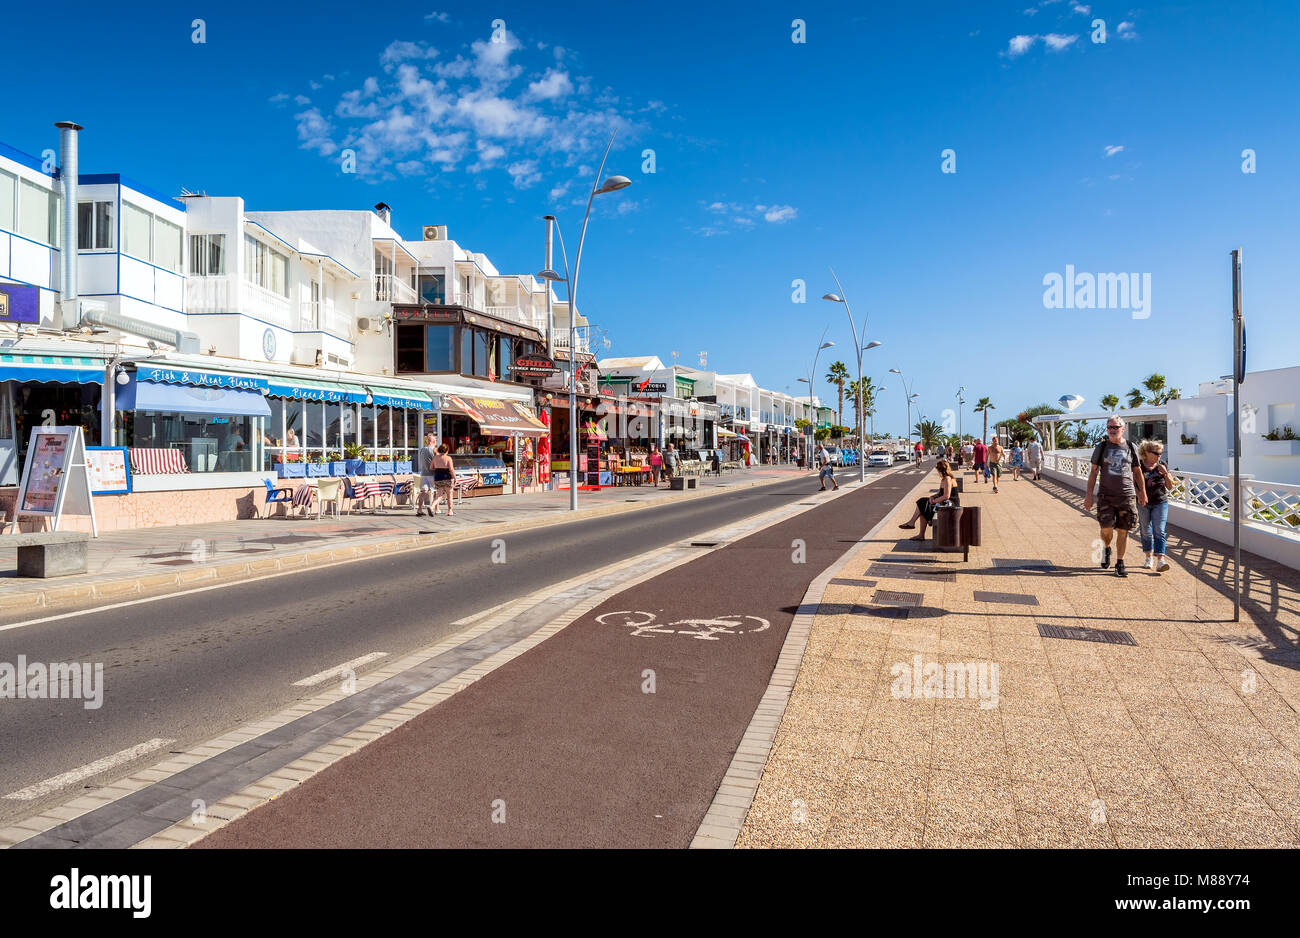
[(908, 395), (611, 184), (812, 411), (858, 349)]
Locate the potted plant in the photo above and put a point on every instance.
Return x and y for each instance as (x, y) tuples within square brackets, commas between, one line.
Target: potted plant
[(316, 465), (1190, 446), (1281, 442), (353, 459)]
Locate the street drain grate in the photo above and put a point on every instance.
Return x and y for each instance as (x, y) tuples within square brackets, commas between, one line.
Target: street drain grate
[(845, 581), (907, 560), (1019, 599), (1023, 564), (898, 572), (1080, 634), (895, 598)]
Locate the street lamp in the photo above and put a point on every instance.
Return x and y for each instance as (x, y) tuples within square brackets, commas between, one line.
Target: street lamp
[(612, 184), (858, 348), (811, 411), (960, 401), (910, 397)]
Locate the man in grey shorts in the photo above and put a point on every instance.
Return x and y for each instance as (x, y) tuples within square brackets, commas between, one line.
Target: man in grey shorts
[(1122, 489), (427, 452)]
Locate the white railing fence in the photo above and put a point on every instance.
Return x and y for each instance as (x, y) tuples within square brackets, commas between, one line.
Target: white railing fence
[(1275, 505), (393, 289)]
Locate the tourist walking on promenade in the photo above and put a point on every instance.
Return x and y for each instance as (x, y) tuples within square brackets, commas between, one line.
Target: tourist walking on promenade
[(670, 462), (425, 457), (927, 505), (444, 480), (1035, 455), (1153, 515), (1017, 460), (1122, 489), (656, 464), (967, 452), (994, 469), (827, 469), (980, 455)]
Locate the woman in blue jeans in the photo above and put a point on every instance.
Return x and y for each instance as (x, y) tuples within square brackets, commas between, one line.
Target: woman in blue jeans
[(1153, 515)]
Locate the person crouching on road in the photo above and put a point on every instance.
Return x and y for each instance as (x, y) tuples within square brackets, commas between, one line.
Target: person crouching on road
[(927, 505), (1122, 489)]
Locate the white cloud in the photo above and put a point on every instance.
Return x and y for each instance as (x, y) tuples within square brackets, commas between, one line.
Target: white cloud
[(314, 132), (1126, 30), (1081, 8), (779, 214), (552, 86), (278, 98), (1056, 42), (1019, 45), (524, 173), (1032, 11), (401, 50), (437, 17), (301, 99), (1112, 150)]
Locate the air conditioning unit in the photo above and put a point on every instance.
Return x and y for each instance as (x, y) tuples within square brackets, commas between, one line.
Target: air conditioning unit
[(435, 232), (370, 324)]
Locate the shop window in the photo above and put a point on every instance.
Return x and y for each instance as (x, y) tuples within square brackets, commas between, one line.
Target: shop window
[(294, 414), (94, 226), (314, 422), (210, 444)]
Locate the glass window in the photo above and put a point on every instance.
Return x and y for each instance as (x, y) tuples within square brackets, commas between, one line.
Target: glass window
[(466, 350), (293, 420), (334, 422), (279, 282), (167, 245), (7, 196), (207, 255), (314, 424), (481, 358), (136, 232), (210, 444), (410, 349), (433, 288), (440, 348), (94, 226), (35, 213)]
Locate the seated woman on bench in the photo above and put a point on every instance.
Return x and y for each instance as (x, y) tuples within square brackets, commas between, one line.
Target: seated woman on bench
[(926, 506)]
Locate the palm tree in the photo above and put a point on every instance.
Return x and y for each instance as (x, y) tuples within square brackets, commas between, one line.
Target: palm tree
[(1135, 397), (984, 406), (1110, 402), (930, 432), (1155, 383), (838, 375)]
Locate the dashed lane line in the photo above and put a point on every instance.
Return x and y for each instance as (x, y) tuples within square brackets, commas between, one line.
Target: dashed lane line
[(321, 676), (40, 789)]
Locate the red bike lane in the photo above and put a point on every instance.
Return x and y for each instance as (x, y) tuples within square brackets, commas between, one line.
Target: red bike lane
[(564, 746)]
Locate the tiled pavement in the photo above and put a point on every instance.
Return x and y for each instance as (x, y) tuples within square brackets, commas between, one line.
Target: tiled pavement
[(1190, 738), (125, 563)]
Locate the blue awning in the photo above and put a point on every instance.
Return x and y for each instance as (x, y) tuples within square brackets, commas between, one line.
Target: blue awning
[(63, 369), (173, 374), (185, 399), (326, 391), (399, 397)]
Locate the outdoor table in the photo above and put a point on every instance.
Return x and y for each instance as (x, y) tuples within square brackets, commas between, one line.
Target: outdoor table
[(374, 487)]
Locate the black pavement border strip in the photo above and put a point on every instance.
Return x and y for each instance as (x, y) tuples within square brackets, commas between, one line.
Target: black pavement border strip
[(90, 587), (720, 827), (156, 807)]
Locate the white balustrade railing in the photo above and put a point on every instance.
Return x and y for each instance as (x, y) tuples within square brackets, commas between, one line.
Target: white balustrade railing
[(392, 289), (1275, 505)]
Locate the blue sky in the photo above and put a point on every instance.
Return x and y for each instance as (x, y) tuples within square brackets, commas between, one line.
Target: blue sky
[(774, 159)]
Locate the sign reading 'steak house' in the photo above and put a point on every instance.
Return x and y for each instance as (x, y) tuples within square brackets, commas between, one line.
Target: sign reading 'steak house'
[(534, 365)]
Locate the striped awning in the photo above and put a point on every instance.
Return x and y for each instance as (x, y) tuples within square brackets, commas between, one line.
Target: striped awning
[(326, 391), (400, 397), (63, 369)]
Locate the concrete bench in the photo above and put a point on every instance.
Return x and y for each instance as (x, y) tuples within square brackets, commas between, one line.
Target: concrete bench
[(50, 553), (681, 483)]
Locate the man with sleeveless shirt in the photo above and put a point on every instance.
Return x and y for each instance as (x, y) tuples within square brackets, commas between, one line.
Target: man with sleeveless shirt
[(1122, 489)]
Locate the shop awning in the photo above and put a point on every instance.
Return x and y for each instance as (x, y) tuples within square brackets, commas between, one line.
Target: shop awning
[(500, 418), (725, 434), (186, 399), (63, 369), (175, 374), (398, 397), (327, 391)]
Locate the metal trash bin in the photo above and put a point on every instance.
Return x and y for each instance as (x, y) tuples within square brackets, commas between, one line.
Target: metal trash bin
[(970, 528), (947, 528)]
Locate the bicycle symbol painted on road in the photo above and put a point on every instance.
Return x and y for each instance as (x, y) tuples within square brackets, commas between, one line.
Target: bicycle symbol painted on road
[(646, 624)]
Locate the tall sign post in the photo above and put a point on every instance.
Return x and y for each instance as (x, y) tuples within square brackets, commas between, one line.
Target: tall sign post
[(1238, 376)]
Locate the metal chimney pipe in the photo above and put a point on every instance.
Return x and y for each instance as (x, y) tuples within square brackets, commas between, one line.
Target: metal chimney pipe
[(69, 317)]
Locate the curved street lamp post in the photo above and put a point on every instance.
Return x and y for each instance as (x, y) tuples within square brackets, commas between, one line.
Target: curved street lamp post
[(858, 348)]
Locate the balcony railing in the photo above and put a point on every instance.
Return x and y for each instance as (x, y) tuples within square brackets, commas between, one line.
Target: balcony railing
[(391, 289)]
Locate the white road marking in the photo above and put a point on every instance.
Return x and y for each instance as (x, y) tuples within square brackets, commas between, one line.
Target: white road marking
[(328, 673), (86, 771)]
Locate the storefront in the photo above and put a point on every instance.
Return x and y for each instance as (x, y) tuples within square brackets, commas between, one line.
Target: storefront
[(500, 452), (38, 388)]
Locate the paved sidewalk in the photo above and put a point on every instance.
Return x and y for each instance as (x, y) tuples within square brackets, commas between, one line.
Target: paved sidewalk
[(1190, 738), (152, 560)]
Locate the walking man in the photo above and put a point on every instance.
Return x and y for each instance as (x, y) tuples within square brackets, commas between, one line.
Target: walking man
[(1122, 489), (426, 454), (980, 454), (995, 462), (1035, 453), (827, 470)]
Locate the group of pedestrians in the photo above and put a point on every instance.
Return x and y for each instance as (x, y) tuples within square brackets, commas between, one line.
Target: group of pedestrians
[(663, 464)]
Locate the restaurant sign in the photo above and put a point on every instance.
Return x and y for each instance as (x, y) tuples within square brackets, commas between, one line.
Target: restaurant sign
[(20, 303), (534, 366), (201, 379), (426, 313)]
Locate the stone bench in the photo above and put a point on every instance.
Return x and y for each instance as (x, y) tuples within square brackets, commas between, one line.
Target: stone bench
[(682, 483), (50, 553)]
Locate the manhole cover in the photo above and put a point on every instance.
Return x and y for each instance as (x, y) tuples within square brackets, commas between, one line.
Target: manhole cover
[(845, 581), (1019, 599), (1024, 564), (1080, 634), (898, 572), (895, 598)]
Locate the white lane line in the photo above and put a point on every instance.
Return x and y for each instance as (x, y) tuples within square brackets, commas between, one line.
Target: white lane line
[(86, 771), (334, 672)]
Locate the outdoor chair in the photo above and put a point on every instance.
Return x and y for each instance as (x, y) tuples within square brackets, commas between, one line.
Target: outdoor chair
[(281, 496), (402, 489), (327, 496), (351, 495)]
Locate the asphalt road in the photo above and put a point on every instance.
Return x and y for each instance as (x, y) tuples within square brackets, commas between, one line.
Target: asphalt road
[(568, 746), (189, 668)]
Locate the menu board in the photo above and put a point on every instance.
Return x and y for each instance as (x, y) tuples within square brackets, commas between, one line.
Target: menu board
[(108, 469), (45, 468)]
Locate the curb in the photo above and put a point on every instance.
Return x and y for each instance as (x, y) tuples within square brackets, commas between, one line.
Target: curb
[(157, 584), (726, 816)]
